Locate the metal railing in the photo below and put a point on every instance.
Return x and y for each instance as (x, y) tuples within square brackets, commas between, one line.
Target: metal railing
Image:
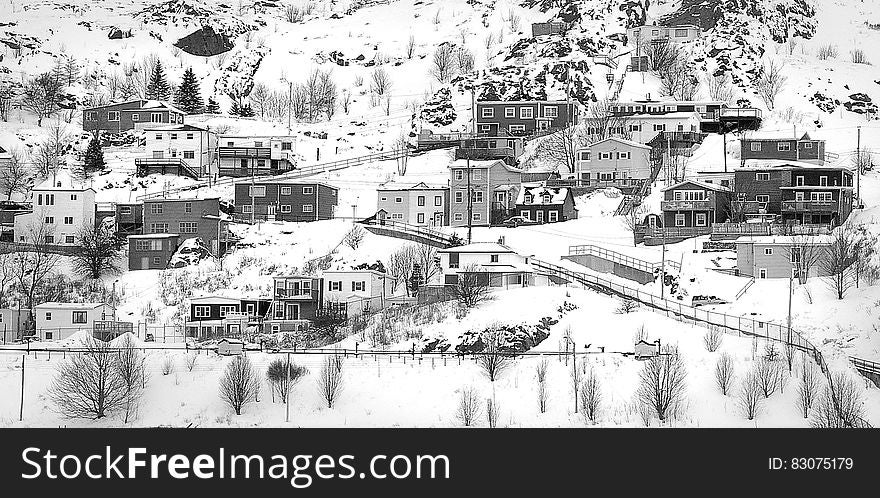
[(620, 258), (407, 229), (809, 206)]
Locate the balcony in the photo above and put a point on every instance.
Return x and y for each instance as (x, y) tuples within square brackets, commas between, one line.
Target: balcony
[(707, 204), (165, 166), (740, 113), (752, 207), (809, 206), (293, 293), (484, 154), (246, 152)]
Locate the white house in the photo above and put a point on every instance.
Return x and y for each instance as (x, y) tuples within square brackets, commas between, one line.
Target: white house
[(613, 159), (13, 323), (644, 127), (194, 146), (420, 204), (357, 290), (56, 321), (256, 155), (641, 35), (63, 205), (494, 264)]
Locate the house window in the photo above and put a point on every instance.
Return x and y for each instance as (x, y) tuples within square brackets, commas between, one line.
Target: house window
[(762, 198), (700, 219), (50, 220), (285, 145), (478, 174), (526, 113), (477, 217), (79, 317), (438, 200), (258, 191), (68, 220), (247, 209), (258, 144), (762, 273), (477, 196), (308, 208), (225, 310), (823, 181), (585, 155), (398, 200), (113, 116), (420, 218), (762, 177), (459, 174), (551, 112), (756, 146), (174, 136), (808, 145), (187, 207), (156, 117), (799, 181), (768, 251), (509, 112), (285, 208), (286, 190), (681, 33), (783, 146), (493, 258), (553, 216), (421, 200), (135, 117), (335, 285), (188, 154), (202, 311), (679, 220), (190, 136), (623, 155), (358, 286), (488, 112), (308, 190), (156, 208), (158, 227), (457, 217), (524, 214), (158, 136), (188, 227), (459, 196), (795, 253), (514, 128), (659, 127), (91, 116), (68, 239)]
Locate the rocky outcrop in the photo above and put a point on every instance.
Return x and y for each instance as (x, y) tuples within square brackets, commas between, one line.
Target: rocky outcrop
[(205, 42)]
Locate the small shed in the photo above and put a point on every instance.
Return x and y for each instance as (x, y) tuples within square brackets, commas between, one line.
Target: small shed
[(229, 347), (644, 349)]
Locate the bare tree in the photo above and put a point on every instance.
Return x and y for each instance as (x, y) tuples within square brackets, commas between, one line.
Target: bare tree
[(493, 359), (769, 82), (380, 82), (354, 237), (472, 286), (283, 376), (240, 383), (426, 257), (88, 384), (15, 175), (560, 148), (841, 254), (541, 377), (42, 96), (493, 409), (720, 88), (591, 397), (662, 382), (840, 405), (443, 62), (602, 122), (712, 339), (633, 222), (400, 265), (769, 376), (191, 359), (129, 366), (468, 410), (678, 81), (99, 251), (808, 390), (410, 47), (662, 55), (724, 373), (330, 380), (749, 397), (804, 253), (33, 266), (465, 60), (259, 97), (8, 95)]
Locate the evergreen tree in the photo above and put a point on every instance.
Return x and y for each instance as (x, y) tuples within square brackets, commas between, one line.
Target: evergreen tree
[(158, 88), (93, 160), (246, 111), (188, 97), (213, 107), (235, 109)]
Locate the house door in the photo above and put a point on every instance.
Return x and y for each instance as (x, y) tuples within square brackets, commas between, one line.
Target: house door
[(251, 310), (501, 198), (543, 125), (145, 263), (233, 329), (438, 219), (270, 214), (291, 311), (539, 216), (158, 154)]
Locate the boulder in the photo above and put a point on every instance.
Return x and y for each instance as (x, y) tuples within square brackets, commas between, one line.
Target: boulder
[(118, 34), (191, 252), (205, 42)]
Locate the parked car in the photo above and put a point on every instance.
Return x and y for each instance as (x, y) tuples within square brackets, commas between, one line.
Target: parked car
[(706, 300), (517, 221), (149, 338)]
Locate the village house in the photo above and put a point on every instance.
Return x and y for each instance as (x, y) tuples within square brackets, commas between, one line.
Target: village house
[(285, 200), (713, 116), (507, 149), (8, 211), (495, 265), (297, 301), (804, 149), (520, 118), (61, 206), (243, 156), (13, 324), (799, 257), (419, 205), (151, 251), (542, 204), (184, 150), (548, 28), (219, 316), (494, 186), (134, 114), (640, 36), (129, 218), (695, 205), (56, 321), (645, 128), (189, 218), (723, 178), (613, 160), (796, 193), (356, 291)]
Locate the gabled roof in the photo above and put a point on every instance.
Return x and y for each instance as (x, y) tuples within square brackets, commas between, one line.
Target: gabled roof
[(558, 195), (214, 299), (698, 183), (463, 163), (479, 247), (783, 165), (619, 140), (392, 185), (160, 104), (78, 306), (284, 183), (183, 127), (62, 180), (669, 115)]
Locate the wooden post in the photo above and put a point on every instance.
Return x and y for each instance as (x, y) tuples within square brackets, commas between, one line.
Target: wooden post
[(21, 406), (287, 389)]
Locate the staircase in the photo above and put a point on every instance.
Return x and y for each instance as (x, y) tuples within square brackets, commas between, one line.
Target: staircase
[(422, 235)]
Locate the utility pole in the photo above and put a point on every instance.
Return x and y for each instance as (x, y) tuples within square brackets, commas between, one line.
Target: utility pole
[(473, 112), (289, 97), (470, 204), (724, 134), (858, 160), (287, 389), (663, 266), (21, 407)]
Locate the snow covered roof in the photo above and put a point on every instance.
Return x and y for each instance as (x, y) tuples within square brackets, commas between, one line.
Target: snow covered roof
[(62, 180), (183, 127), (770, 136), (63, 306), (463, 163), (502, 268), (392, 185), (620, 140), (539, 193), (354, 272), (670, 115), (786, 239), (286, 183), (478, 247), (781, 164), (214, 299), (158, 104), (698, 183), (154, 236)]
